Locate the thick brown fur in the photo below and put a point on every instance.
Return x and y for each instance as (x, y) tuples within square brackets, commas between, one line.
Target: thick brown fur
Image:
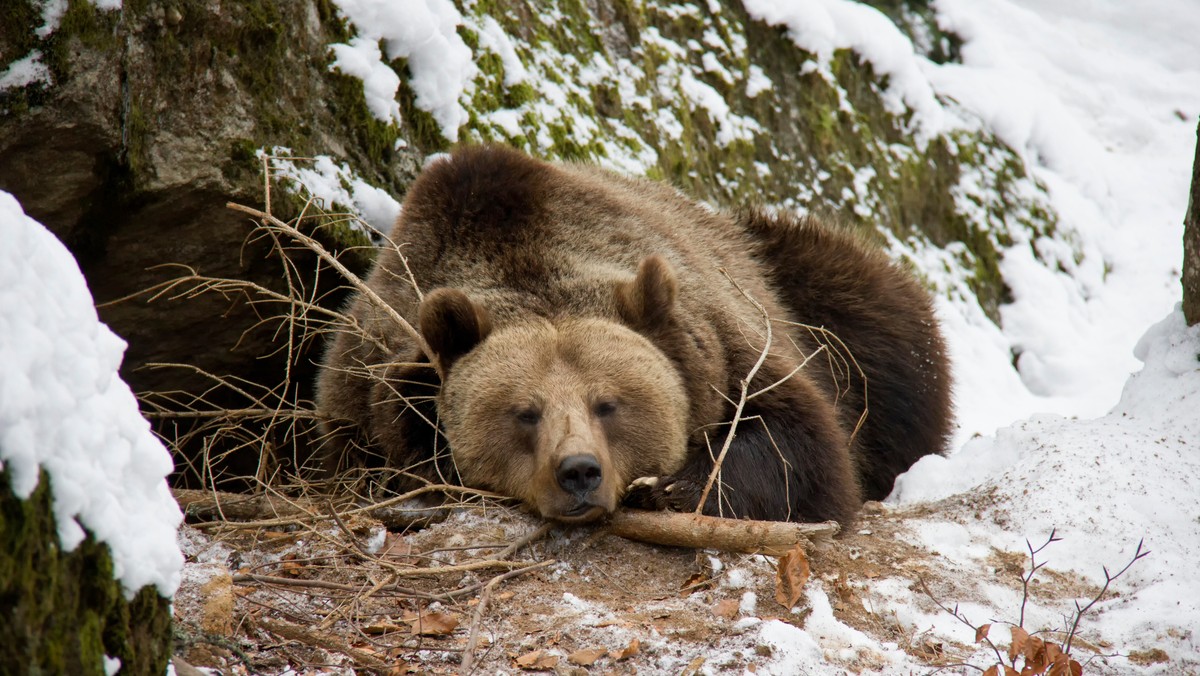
[(579, 314)]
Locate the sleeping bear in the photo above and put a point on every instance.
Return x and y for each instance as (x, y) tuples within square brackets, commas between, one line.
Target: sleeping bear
[(591, 336)]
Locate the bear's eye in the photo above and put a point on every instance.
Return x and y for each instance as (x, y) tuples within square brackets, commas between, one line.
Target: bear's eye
[(605, 408), (529, 416)]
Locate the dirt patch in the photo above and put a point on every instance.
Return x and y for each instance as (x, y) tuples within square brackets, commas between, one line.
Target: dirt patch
[(328, 597)]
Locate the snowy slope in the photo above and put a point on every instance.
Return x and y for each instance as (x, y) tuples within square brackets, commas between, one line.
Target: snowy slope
[(1103, 102), (64, 409)]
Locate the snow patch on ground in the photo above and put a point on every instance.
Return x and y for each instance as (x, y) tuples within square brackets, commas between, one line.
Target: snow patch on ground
[(1101, 485), (64, 409)]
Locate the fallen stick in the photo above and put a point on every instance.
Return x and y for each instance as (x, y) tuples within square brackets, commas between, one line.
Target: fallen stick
[(675, 529), (293, 632), (678, 529), (219, 505), (266, 510)]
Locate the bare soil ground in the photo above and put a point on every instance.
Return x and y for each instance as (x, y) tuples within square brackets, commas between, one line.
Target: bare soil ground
[(331, 598)]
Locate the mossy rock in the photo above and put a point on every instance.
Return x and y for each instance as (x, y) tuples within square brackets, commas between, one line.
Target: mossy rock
[(62, 611), (821, 139)]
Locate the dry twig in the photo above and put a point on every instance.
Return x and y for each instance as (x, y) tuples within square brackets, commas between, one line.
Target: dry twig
[(294, 632)]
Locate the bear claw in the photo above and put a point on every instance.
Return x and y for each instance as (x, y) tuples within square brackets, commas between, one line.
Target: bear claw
[(646, 481)]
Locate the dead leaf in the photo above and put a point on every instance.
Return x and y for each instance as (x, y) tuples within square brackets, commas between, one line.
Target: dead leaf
[(1035, 654), (216, 616), (1019, 637), (630, 650), (537, 660), (504, 596), (586, 657), (289, 567), (727, 609), (431, 624), (790, 576), (383, 628), (398, 549), (993, 670), (695, 583), (614, 623), (982, 632), (693, 667)]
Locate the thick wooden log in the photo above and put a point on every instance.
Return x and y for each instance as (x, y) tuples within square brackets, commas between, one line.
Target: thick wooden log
[(678, 529)]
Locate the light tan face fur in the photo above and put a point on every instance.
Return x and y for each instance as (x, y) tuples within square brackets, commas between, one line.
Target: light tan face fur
[(531, 395)]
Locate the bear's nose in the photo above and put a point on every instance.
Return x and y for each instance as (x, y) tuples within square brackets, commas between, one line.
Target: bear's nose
[(578, 474)]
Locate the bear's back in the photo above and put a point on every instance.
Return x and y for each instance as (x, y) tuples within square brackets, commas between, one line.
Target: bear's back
[(522, 235)]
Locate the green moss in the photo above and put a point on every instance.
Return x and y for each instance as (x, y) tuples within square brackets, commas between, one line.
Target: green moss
[(469, 37), (81, 24), (423, 130), (519, 94), (63, 611), (18, 21)]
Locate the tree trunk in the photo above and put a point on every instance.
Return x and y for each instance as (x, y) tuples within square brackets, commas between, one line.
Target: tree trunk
[(1191, 246)]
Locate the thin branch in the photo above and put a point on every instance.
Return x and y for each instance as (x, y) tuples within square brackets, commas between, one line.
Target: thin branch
[(1108, 579), (359, 285), (1034, 567), (745, 393)]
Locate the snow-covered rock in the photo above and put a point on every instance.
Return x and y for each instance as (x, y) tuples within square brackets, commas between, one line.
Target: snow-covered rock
[(66, 414)]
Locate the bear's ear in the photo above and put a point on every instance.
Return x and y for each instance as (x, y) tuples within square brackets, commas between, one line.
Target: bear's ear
[(452, 324), (646, 302)]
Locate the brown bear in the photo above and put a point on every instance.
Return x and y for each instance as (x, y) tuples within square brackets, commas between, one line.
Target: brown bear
[(588, 330)]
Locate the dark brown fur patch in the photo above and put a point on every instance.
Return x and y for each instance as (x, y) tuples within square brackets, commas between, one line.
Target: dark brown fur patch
[(831, 280), (482, 197), (452, 325)]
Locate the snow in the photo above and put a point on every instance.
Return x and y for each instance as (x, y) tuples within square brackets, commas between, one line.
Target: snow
[(64, 409), (363, 59), (1102, 108), (26, 71), (758, 82), (1102, 485), (825, 26), (425, 32), (54, 10), (323, 179)]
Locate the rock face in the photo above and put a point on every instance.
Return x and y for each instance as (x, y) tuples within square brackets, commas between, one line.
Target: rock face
[(147, 130), (151, 116), (1191, 246)]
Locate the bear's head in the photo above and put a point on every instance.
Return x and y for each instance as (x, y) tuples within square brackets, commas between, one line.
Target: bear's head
[(564, 412)]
